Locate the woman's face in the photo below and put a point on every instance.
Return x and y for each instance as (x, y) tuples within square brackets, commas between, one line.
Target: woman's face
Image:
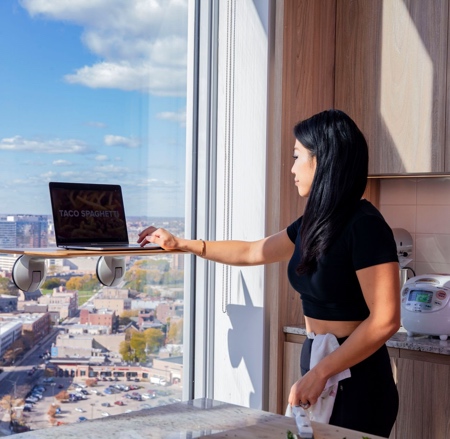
[(303, 169)]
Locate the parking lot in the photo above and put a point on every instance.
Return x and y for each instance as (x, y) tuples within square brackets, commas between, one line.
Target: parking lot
[(97, 403)]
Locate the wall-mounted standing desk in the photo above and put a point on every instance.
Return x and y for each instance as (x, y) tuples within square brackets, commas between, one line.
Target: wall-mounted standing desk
[(29, 270)]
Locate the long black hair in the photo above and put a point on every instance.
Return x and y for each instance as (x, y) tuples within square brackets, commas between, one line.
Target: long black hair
[(339, 181)]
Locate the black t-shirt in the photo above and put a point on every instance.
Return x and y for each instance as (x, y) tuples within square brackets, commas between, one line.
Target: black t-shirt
[(333, 292)]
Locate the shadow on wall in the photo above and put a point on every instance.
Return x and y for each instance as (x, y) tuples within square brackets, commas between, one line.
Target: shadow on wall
[(243, 345)]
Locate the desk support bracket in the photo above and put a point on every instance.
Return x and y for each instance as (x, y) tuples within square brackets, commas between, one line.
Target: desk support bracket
[(28, 273), (110, 270)]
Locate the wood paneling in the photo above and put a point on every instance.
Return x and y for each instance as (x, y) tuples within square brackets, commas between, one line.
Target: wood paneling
[(302, 84), (391, 61), (291, 371), (424, 400)]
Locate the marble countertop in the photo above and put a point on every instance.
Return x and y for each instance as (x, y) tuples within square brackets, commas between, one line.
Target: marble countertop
[(401, 340), (193, 419)]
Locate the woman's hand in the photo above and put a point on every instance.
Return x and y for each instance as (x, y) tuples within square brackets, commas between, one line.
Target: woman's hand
[(307, 390), (160, 237)]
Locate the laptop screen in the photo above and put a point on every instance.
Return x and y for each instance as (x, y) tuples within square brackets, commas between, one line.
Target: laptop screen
[(88, 214)]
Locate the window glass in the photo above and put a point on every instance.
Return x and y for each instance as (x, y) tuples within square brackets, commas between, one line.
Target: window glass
[(93, 92)]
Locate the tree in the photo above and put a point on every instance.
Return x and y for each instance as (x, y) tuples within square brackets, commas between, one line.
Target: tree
[(137, 345), (175, 333), (9, 403), (125, 351), (91, 382), (51, 283), (154, 339), (62, 396), (126, 316)]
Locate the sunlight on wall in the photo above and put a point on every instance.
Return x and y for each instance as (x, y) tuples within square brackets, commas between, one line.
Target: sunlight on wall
[(406, 85)]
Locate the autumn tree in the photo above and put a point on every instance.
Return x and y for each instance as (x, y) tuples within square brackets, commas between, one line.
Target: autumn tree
[(51, 283), (154, 339), (62, 396), (125, 351), (9, 403), (91, 382), (83, 283), (126, 316), (175, 332)]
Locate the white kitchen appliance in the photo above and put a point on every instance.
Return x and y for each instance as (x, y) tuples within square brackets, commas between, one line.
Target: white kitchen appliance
[(426, 305)]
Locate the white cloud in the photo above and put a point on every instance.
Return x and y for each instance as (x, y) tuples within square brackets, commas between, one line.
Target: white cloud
[(61, 163), (96, 124), (129, 142), (141, 43), (101, 158), (52, 146), (178, 117)]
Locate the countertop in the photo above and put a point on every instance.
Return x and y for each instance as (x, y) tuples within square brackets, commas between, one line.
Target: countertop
[(192, 419), (401, 340)]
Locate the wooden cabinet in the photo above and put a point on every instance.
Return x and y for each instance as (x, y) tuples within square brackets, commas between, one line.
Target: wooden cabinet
[(423, 385), (391, 70), (423, 382)]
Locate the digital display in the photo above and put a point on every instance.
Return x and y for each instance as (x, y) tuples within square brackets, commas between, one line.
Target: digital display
[(421, 296)]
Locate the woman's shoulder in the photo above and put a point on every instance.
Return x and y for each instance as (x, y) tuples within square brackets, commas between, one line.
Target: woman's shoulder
[(365, 209), (367, 219)]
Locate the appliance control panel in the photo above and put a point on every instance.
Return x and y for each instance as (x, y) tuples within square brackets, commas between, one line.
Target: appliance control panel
[(424, 298)]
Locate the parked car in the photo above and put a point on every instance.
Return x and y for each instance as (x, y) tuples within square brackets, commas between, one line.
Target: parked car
[(79, 409), (82, 419), (105, 414), (106, 404), (119, 403)]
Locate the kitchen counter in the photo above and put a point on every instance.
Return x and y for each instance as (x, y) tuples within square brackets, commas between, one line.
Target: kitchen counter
[(401, 340), (192, 419)]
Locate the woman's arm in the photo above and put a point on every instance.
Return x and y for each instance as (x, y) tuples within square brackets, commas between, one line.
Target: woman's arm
[(381, 289), (274, 248)]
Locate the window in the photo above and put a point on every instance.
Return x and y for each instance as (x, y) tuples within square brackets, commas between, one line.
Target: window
[(96, 92)]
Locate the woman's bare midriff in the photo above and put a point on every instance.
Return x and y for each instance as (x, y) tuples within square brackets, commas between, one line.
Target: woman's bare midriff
[(338, 328)]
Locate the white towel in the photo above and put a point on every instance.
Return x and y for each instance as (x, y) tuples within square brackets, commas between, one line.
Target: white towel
[(321, 411), (323, 345)]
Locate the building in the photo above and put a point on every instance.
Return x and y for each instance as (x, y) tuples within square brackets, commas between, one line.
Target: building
[(8, 303), (145, 317), (167, 310), (10, 331), (24, 231), (36, 326), (177, 261), (114, 293), (117, 305), (32, 327), (99, 317), (61, 302)]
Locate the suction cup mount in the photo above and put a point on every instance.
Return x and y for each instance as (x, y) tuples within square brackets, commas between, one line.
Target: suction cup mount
[(28, 273), (110, 270)]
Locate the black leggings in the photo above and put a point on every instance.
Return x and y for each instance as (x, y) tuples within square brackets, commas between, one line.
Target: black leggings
[(368, 400)]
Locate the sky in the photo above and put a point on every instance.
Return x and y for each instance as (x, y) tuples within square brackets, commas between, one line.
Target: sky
[(93, 91)]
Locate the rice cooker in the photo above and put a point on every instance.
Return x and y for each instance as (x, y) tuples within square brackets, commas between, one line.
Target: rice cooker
[(426, 305)]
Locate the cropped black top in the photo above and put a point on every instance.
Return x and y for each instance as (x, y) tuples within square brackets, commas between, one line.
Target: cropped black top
[(333, 292)]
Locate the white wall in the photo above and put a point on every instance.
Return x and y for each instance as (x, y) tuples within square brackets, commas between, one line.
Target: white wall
[(241, 175)]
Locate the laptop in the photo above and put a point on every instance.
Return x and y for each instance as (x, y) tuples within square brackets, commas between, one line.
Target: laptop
[(90, 217)]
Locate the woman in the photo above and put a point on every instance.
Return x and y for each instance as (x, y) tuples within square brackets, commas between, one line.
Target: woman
[(343, 262)]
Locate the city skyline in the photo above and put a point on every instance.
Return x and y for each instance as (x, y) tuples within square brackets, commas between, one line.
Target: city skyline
[(93, 92)]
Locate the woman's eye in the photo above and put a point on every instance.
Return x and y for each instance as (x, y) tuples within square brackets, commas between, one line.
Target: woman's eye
[(295, 157)]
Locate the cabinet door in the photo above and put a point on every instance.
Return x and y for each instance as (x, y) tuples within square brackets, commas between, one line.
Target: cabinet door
[(391, 60), (424, 400), (291, 369)]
